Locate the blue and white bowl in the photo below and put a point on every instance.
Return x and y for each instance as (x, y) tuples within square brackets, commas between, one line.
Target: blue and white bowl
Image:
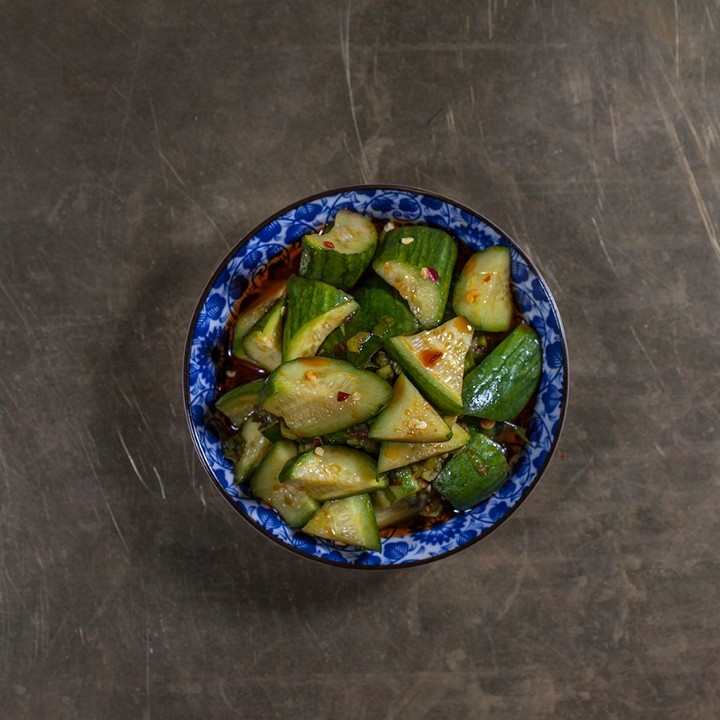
[(271, 239)]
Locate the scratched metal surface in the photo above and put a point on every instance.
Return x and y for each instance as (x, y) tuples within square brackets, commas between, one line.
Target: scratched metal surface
[(139, 140)]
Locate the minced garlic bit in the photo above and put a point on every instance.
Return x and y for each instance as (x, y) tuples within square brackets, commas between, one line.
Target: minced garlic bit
[(319, 450), (356, 395), (407, 240), (389, 226), (311, 375), (416, 424)]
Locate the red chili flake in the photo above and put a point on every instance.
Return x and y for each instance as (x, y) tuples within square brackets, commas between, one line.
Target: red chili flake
[(317, 442), (488, 277), (339, 347), (329, 244), (430, 273), (342, 396), (360, 434)]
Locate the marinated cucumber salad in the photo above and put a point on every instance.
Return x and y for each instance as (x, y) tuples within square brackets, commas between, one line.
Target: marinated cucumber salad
[(382, 383)]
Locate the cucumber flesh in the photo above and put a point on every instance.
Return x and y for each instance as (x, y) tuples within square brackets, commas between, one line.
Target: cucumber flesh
[(314, 310), (238, 403), (332, 471), (473, 474), (339, 257), (503, 383), (294, 506), (318, 396), (418, 262), (349, 521), (409, 417), (399, 454), (483, 293), (435, 361), (263, 343)]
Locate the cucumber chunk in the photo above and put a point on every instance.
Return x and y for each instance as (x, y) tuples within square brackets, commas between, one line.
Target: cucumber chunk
[(331, 472), (482, 293), (237, 404), (400, 511), (473, 474), (317, 396), (399, 454), (255, 448), (339, 257), (263, 343), (314, 310), (294, 506), (350, 521), (418, 262), (503, 383), (251, 313), (408, 417), (435, 361), (382, 314)]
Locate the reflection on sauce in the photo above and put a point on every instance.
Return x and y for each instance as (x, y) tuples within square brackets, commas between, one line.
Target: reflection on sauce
[(430, 356)]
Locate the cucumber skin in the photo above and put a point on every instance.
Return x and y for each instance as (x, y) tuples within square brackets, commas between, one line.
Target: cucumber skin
[(473, 474), (503, 383), (431, 248)]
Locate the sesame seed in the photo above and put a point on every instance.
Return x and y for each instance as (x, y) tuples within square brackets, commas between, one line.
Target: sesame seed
[(319, 451), (407, 240)]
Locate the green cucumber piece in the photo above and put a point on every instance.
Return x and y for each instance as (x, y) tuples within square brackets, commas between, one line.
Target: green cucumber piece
[(317, 396), (400, 511), (349, 521), (473, 474), (503, 383), (418, 261), (382, 314), (314, 310), (408, 417), (255, 448), (294, 506), (399, 454), (252, 312), (402, 483), (435, 361), (263, 343), (482, 292), (339, 257), (332, 471), (237, 404)]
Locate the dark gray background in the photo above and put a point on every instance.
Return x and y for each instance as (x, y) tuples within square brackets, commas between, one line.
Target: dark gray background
[(140, 140)]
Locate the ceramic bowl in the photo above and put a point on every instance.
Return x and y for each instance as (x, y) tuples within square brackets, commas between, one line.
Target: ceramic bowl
[(272, 238)]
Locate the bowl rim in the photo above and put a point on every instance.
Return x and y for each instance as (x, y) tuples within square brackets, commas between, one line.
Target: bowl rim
[(246, 237)]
